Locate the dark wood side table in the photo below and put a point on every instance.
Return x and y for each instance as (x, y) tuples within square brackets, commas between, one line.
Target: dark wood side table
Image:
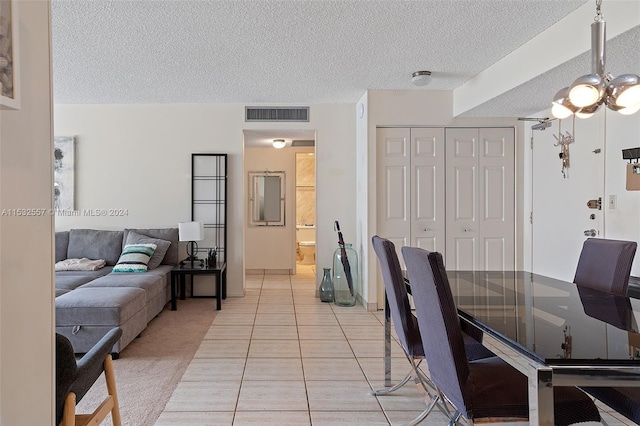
[(178, 274)]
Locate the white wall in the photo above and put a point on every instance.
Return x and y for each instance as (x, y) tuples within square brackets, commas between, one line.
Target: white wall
[(26, 242), (138, 157)]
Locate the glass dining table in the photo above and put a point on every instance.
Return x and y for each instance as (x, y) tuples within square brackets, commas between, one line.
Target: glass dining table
[(555, 332)]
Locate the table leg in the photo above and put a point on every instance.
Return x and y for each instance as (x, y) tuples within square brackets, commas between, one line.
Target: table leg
[(183, 280), (541, 396), (174, 305), (387, 342), (219, 286), (224, 284)]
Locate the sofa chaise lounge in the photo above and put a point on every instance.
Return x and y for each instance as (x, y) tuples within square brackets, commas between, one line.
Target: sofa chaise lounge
[(89, 303)]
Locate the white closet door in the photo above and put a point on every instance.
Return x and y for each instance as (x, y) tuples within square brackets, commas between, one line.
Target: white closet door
[(480, 200), (462, 199), (427, 189), (393, 173), (496, 196)]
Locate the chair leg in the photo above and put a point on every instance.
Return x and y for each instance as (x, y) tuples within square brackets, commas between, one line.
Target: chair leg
[(425, 413), (69, 411), (404, 381), (386, 391), (111, 390), (434, 399)]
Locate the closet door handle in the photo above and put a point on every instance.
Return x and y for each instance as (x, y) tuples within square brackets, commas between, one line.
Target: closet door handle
[(467, 230)]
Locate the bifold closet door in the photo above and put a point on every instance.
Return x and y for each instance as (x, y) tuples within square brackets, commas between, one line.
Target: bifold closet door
[(394, 192), (411, 203), (480, 198), (427, 189)]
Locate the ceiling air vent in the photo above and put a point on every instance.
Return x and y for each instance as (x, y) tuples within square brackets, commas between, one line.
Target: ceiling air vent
[(303, 142), (276, 113)]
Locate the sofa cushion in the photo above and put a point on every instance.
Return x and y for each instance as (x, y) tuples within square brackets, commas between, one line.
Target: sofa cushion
[(95, 244), (60, 291), (168, 234), (162, 246), (92, 274), (134, 258), (71, 282), (152, 284), (62, 243), (99, 306)]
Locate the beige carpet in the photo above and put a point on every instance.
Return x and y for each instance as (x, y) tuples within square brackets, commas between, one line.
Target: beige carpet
[(150, 368)]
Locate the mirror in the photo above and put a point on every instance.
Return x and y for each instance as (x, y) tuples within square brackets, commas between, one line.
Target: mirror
[(266, 198)]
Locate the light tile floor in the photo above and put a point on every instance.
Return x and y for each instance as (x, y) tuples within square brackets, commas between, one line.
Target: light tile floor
[(279, 356)]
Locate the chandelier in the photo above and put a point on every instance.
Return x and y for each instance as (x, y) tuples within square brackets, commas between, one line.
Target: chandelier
[(588, 93)]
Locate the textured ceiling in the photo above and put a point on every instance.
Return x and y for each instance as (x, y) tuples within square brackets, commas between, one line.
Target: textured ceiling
[(291, 52)]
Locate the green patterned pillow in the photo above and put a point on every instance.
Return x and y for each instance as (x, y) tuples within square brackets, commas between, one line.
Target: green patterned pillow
[(134, 258)]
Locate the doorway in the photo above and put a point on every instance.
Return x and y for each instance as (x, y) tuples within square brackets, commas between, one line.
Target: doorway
[(306, 211), (272, 248)]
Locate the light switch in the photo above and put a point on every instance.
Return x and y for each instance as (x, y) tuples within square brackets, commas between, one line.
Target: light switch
[(613, 201)]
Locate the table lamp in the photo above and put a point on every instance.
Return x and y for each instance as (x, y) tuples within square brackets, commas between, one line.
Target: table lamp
[(191, 232)]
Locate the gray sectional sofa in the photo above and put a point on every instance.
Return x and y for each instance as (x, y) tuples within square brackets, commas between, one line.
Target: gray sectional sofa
[(90, 303)]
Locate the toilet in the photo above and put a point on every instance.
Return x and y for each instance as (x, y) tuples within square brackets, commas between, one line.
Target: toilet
[(308, 252), (305, 236)]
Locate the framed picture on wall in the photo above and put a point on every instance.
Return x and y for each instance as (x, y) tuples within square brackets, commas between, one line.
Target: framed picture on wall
[(9, 55), (63, 173)]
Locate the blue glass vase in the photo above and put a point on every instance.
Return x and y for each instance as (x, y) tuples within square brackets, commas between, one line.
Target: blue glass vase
[(326, 287), (346, 280)]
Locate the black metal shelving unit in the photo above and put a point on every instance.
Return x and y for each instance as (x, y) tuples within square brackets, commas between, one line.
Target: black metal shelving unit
[(209, 201)]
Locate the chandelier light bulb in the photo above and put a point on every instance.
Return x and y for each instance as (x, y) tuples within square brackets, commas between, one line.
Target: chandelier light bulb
[(588, 111), (562, 106), (584, 115), (629, 110), (583, 95), (560, 111), (629, 98)]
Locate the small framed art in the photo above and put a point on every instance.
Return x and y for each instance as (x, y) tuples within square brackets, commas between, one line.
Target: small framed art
[(9, 55)]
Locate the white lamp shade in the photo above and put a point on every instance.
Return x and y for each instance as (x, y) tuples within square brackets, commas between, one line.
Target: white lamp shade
[(190, 231)]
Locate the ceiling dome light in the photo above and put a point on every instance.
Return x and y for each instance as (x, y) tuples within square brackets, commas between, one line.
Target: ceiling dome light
[(588, 92), (421, 78), (562, 106), (279, 143)]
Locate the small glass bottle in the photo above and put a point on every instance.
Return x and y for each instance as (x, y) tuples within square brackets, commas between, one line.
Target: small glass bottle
[(326, 287), (346, 282)]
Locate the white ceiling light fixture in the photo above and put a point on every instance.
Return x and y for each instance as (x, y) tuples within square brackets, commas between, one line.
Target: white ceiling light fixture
[(589, 92), (421, 78), (279, 143)]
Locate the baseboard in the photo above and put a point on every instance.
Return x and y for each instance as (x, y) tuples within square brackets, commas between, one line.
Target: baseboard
[(268, 271), (370, 307)]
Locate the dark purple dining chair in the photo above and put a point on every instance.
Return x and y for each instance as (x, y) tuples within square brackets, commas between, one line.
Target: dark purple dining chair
[(406, 325), (605, 265), (485, 389)]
